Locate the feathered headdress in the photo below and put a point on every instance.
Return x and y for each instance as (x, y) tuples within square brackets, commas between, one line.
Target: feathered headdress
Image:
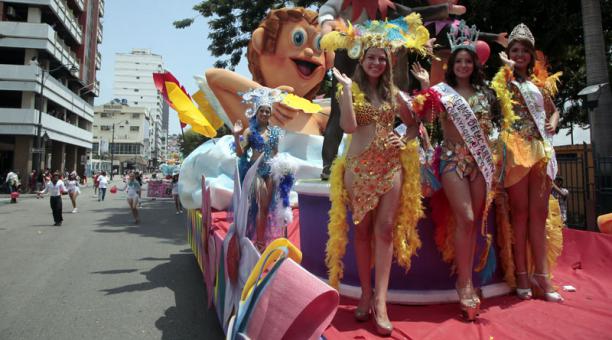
[(407, 32), (260, 96), (264, 96), (463, 36)]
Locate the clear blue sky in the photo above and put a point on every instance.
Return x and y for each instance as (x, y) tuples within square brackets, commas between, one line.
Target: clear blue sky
[(148, 24)]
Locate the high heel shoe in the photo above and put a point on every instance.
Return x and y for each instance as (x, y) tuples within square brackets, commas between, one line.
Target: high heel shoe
[(540, 292), (363, 315), (468, 301), (384, 328), (523, 293)]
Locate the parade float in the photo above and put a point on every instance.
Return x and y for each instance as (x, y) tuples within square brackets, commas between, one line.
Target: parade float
[(282, 291)]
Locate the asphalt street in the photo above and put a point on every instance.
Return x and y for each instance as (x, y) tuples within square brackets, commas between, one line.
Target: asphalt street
[(99, 275)]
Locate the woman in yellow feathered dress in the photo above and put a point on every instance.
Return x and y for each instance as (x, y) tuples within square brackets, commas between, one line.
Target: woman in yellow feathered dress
[(530, 121)]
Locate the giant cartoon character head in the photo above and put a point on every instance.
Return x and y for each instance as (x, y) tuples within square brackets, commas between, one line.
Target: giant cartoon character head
[(284, 51)]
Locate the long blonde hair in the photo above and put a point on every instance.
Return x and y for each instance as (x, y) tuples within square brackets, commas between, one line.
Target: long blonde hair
[(386, 90)]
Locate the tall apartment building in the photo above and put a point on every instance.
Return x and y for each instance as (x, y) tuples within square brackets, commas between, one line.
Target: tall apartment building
[(134, 81), (48, 62), (123, 129)]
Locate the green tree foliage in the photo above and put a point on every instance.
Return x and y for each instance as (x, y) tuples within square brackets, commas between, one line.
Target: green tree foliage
[(556, 25)]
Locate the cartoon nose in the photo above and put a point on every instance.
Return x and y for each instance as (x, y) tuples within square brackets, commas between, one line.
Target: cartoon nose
[(308, 52)]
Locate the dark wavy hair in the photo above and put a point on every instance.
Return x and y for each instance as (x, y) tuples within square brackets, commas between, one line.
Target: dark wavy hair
[(386, 89), (530, 48), (476, 78)]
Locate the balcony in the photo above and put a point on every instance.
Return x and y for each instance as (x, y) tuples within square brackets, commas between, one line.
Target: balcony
[(37, 36), (98, 60), (101, 8), (28, 77), (25, 122), (99, 35)]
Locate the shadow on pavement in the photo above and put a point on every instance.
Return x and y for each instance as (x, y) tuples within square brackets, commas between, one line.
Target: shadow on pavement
[(157, 219), (189, 318)]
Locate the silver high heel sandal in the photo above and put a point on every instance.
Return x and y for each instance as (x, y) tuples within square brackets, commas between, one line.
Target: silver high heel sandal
[(540, 292), (523, 293)]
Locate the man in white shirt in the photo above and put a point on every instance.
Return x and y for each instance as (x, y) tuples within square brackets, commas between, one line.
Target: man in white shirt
[(102, 184), (56, 188)]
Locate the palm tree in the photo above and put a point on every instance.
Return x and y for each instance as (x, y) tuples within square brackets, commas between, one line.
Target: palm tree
[(601, 117), (597, 73)]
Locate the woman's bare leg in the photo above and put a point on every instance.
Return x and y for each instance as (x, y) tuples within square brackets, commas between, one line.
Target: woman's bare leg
[(519, 215)]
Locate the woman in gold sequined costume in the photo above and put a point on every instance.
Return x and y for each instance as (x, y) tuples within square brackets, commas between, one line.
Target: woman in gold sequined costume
[(372, 176), (529, 160)]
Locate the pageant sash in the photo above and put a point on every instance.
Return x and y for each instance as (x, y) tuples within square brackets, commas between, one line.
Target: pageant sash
[(535, 104), (467, 124)]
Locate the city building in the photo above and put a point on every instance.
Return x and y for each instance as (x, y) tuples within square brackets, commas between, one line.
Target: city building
[(48, 62), (133, 81), (119, 135)]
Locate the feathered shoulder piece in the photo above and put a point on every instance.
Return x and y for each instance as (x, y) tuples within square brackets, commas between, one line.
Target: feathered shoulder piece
[(541, 78)]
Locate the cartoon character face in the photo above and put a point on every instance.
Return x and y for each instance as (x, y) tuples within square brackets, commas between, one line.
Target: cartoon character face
[(298, 60)]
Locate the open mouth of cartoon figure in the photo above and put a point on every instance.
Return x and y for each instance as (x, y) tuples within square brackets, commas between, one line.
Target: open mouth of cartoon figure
[(305, 68)]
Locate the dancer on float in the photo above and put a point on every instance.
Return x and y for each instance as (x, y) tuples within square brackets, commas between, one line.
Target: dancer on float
[(379, 177), (530, 164), (262, 139), (466, 161)]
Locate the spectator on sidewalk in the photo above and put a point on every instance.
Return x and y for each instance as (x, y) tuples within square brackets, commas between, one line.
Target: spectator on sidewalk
[(33, 179), (560, 193), (102, 184), (55, 188)]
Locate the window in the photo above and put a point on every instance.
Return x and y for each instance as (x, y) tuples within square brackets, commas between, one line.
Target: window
[(136, 90), (136, 115), (105, 127), (105, 114), (136, 103), (137, 77), (134, 128)]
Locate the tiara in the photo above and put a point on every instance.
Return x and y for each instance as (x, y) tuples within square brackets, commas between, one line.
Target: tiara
[(521, 32), (406, 32), (260, 96), (463, 36)]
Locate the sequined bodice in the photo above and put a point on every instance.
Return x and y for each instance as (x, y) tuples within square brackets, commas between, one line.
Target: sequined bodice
[(366, 114)]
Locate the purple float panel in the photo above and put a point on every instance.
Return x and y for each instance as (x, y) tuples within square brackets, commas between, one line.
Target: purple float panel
[(428, 272)]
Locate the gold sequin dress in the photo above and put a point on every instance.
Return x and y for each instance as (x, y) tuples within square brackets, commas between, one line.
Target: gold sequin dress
[(374, 168)]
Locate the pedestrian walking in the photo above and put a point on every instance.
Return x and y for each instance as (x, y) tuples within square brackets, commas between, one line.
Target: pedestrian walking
[(55, 188), (96, 184), (73, 190), (12, 181), (102, 184), (132, 188), (175, 194)]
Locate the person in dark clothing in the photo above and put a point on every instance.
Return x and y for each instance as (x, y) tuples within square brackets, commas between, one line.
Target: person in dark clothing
[(56, 188)]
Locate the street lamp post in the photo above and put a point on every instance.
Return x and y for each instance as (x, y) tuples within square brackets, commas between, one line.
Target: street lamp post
[(39, 151)]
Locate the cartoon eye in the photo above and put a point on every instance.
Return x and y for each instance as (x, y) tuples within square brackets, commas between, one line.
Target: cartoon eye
[(299, 36), (317, 42)]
